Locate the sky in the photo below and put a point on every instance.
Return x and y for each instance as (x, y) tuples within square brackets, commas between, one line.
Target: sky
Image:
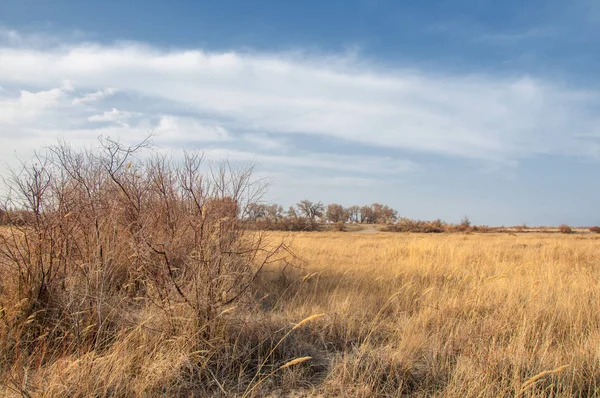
[(439, 109)]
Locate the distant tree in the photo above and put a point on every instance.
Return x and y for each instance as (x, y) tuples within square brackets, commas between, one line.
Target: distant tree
[(383, 214), (310, 210), (256, 211), (465, 222), (367, 215), (292, 213), (336, 213), (274, 212), (353, 213)]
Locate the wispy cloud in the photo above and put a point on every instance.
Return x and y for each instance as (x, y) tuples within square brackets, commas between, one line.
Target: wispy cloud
[(265, 141), (321, 161), (233, 97), (94, 96), (181, 130), (341, 181), (10, 36), (518, 36)]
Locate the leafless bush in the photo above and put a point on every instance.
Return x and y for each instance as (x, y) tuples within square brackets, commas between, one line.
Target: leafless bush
[(297, 224), (408, 225), (464, 226), (565, 229), (435, 226), (107, 231), (339, 227)]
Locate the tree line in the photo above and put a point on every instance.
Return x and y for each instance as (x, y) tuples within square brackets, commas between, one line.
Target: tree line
[(375, 213), (307, 215)]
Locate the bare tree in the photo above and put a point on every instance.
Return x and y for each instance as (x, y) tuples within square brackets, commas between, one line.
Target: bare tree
[(257, 211), (367, 215), (310, 210), (383, 214), (292, 213), (336, 213), (353, 213), (274, 212)]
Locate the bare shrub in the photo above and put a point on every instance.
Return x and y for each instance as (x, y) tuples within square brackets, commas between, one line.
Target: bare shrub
[(464, 226), (482, 228), (297, 224), (339, 226), (595, 229), (409, 225), (108, 232), (565, 229)]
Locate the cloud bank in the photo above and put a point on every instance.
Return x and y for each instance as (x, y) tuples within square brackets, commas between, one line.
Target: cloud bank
[(221, 101)]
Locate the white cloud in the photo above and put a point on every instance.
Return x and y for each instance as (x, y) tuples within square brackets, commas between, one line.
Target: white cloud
[(320, 161), (268, 97), (114, 115), (29, 106), (67, 85), (181, 129), (95, 96), (264, 141)]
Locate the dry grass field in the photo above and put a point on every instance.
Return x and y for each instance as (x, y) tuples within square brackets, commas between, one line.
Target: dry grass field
[(389, 314), (451, 315), (129, 278)]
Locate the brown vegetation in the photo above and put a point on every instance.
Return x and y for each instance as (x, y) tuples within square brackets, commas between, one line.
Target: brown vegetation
[(123, 275), (565, 229), (447, 315), (126, 266), (405, 315)]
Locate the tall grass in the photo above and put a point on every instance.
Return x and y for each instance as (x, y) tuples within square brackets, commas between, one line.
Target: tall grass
[(399, 315), (452, 315)]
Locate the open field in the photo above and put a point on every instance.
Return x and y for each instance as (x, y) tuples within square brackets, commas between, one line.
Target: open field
[(447, 315), (452, 315)]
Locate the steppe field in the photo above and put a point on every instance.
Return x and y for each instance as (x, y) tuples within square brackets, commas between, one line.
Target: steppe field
[(451, 315), (354, 314)]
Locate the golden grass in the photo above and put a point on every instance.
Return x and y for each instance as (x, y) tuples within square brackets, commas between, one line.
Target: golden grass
[(452, 315), (387, 314)]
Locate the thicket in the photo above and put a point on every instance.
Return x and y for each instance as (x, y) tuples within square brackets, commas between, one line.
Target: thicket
[(118, 247)]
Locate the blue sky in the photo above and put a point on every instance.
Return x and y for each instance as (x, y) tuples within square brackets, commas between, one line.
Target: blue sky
[(438, 108)]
